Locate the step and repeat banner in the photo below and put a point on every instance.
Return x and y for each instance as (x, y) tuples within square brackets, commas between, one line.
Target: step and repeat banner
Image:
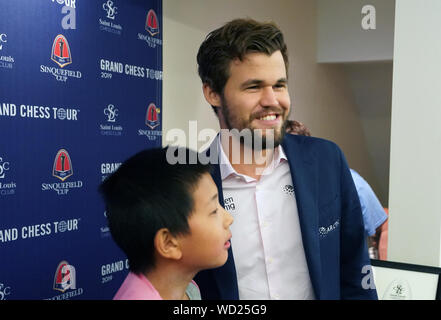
[(80, 92)]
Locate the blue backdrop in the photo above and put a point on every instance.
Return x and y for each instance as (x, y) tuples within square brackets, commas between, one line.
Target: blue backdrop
[(80, 92)]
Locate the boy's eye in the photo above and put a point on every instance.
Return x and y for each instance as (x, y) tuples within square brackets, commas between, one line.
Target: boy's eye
[(214, 212)]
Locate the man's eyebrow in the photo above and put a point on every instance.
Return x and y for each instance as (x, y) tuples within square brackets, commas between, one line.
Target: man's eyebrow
[(251, 82), (282, 80)]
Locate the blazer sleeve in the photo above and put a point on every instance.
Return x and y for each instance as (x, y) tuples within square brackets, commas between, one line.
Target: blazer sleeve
[(354, 254)]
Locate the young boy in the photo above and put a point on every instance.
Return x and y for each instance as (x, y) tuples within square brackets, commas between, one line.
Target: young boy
[(168, 221)]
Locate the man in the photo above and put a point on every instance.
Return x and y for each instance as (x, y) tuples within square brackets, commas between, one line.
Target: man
[(374, 215), (298, 231)]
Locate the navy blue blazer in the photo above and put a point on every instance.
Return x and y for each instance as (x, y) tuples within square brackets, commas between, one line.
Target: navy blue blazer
[(330, 218)]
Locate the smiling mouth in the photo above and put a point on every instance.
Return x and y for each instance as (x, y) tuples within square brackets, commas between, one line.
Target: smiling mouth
[(270, 117), (268, 120)]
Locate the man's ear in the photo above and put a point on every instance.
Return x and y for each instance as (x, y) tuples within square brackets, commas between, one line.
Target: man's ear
[(211, 96), (167, 245)]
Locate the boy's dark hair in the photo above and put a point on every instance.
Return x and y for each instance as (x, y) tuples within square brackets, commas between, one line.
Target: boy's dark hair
[(146, 194), (234, 40)]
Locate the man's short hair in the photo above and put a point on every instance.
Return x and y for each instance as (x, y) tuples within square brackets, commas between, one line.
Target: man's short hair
[(232, 41), (147, 194)]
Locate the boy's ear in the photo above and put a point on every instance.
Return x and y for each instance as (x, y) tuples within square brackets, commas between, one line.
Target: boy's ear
[(211, 96), (167, 245)]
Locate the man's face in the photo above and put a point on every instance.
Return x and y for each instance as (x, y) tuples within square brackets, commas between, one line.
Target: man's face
[(256, 97)]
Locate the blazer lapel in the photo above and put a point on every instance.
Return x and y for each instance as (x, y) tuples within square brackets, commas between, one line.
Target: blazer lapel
[(225, 276), (304, 177)]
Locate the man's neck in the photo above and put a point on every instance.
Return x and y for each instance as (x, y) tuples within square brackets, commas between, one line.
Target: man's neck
[(244, 159)]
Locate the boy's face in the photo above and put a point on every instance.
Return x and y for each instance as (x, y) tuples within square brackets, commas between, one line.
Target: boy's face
[(207, 244)]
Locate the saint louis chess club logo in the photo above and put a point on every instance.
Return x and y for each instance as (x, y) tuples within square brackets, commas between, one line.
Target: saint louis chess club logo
[(4, 166), (110, 128), (107, 23), (152, 24), (110, 9), (6, 61), (3, 39), (111, 112), (6, 187), (60, 53), (62, 165), (152, 119), (4, 291)]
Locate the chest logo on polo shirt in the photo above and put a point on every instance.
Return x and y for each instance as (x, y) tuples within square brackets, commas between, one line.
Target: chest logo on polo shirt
[(229, 204), (288, 189)]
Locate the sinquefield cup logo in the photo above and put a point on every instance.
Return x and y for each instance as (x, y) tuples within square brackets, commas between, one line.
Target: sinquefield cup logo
[(65, 277), (110, 9), (152, 24), (60, 53), (152, 119), (62, 165)]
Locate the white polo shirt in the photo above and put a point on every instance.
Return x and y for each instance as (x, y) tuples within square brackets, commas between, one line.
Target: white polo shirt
[(267, 244)]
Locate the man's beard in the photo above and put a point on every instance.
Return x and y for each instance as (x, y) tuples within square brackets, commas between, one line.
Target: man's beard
[(253, 138)]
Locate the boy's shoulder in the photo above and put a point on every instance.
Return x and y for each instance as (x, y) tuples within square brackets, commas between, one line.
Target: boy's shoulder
[(137, 287)]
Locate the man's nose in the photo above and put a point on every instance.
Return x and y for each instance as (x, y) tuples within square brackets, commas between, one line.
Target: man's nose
[(269, 97)]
